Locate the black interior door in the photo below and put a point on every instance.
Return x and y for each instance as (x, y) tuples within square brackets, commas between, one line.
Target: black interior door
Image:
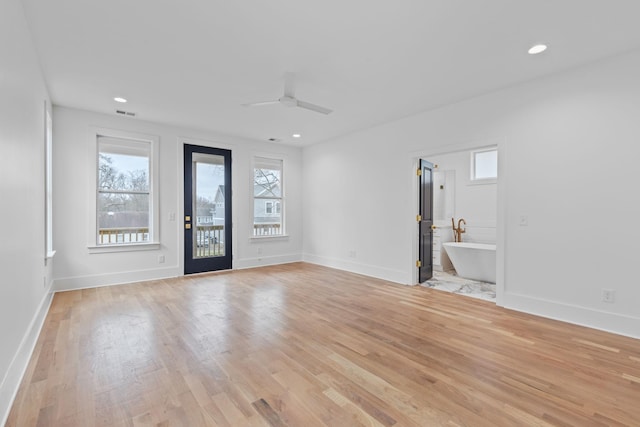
[(425, 265), (207, 209)]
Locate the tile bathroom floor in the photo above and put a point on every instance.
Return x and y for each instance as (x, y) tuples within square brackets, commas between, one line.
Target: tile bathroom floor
[(449, 282)]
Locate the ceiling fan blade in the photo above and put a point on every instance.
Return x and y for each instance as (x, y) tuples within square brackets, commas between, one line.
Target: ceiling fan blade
[(258, 104), (314, 107), (289, 84)]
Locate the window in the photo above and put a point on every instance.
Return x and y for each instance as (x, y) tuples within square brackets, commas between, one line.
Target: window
[(484, 165), (126, 209), (272, 207), (267, 197), (48, 185)]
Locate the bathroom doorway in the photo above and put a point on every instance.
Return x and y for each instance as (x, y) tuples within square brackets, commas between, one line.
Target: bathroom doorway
[(464, 198), (425, 221)]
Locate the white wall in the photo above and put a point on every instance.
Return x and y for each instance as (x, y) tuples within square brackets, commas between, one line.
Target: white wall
[(476, 203), (74, 179), (24, 277), (568, 152)]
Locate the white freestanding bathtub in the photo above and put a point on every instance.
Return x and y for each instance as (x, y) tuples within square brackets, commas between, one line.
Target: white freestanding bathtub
[(476, 261)]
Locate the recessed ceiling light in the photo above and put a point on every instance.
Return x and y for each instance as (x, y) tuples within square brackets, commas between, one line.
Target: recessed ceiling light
[(296, 135), (119, 99), (539, 48)]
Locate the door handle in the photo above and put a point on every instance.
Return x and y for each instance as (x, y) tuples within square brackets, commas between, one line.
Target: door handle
[(433, 227), (187, 226)]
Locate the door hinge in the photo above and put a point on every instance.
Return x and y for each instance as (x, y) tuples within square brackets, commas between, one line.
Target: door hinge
[(418, 263), (418, 218), (419, 172)]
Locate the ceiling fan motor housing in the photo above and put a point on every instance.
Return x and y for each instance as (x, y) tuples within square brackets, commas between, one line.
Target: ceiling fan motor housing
[(288, 101)]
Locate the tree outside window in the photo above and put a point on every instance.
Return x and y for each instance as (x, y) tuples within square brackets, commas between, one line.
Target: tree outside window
[(268, 197), (123, 191)]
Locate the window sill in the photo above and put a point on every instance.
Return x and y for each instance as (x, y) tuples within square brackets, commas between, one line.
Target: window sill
[(483, 181), (278, 237), (123, 248)]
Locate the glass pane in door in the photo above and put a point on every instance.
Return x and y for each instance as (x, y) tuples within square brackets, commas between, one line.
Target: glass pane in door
[(208, 206)]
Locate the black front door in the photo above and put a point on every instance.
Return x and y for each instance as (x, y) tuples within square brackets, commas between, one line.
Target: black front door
[(207, 209), (425, 268)]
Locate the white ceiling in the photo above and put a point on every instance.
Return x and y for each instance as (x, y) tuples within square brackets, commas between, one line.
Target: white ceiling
[(193, 63)]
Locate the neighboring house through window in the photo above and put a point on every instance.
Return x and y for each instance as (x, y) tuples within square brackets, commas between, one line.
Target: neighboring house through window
[(272, 207), (268, 197)]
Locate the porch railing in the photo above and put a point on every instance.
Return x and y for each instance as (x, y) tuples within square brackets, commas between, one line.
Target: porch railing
[(208, 241), (109, 236), (208, 237), (267, 229)]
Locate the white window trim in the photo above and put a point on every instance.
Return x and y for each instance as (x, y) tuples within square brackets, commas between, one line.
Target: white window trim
[(274, 237), (154, 219), (282, 199), (472, 167), (129, 247)]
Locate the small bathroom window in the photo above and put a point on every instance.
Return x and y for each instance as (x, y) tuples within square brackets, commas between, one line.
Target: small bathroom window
[(484, 166)]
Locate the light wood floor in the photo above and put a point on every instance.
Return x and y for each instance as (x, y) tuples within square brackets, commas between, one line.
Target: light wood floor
[(302, 345)]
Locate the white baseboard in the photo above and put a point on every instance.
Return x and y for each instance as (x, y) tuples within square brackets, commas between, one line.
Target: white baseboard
[(391, 275), (583, 316), (121, 278), (18, 366), (266, 260)]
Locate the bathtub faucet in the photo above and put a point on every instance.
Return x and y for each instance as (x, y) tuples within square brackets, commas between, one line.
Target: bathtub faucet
[(457, 232)]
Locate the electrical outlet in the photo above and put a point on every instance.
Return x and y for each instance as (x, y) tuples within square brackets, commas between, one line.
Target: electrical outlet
[(259, 250), (172, 216), (44, 282), (608, 295), (160, 259), (352, 254), (524, 220)]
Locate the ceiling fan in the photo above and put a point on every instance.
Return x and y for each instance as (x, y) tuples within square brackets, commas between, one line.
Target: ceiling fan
[(289, 99)]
